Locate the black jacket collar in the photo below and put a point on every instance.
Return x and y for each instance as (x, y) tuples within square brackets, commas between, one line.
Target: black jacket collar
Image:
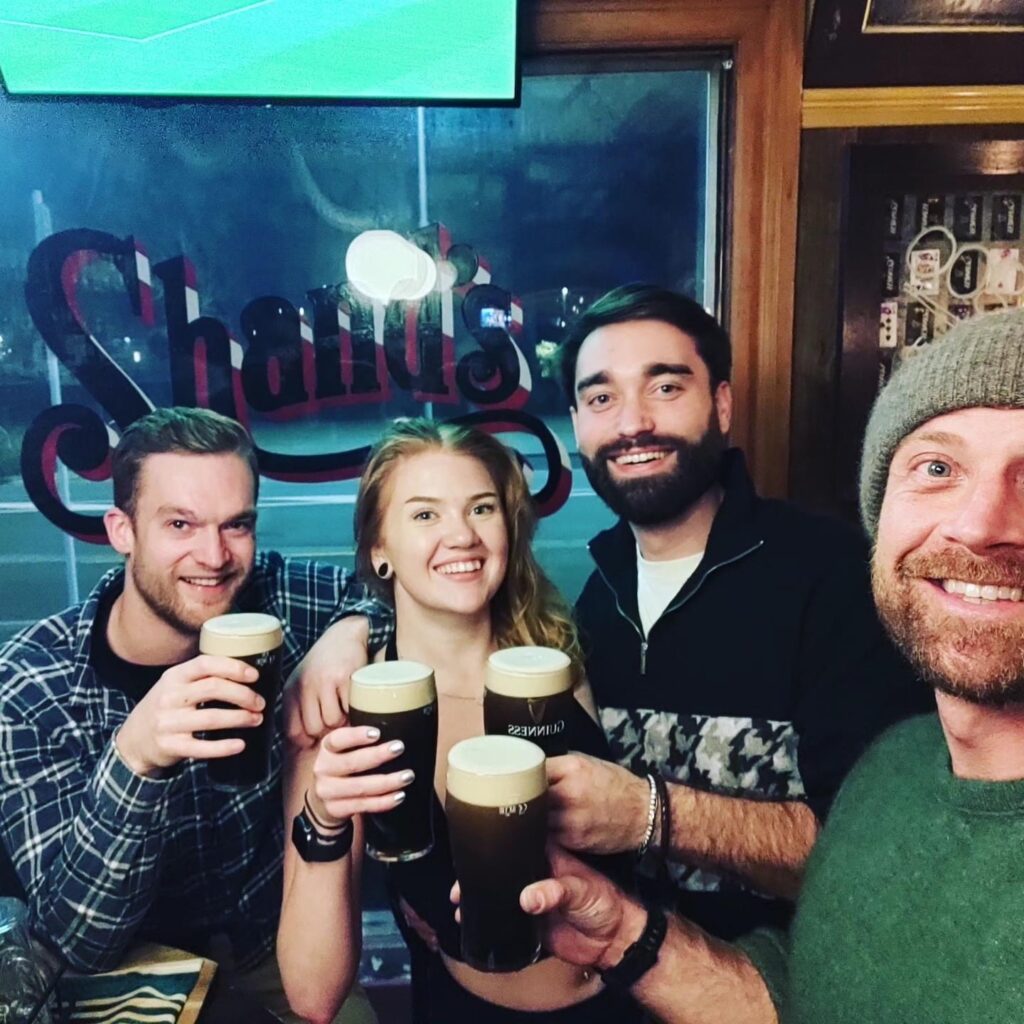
[(734, 533)]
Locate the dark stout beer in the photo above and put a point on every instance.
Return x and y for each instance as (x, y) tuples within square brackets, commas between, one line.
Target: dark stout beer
[(529, 694), (255, 639), (497, 818), (399, 698)]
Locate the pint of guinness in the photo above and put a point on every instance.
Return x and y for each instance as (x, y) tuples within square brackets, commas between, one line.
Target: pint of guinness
[(255, 639), (529, 694), (399, 698), (497, 818)]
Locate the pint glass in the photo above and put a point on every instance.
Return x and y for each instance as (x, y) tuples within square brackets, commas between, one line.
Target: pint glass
[(497, 819), (399, 698), (255, 639), (529, 694)]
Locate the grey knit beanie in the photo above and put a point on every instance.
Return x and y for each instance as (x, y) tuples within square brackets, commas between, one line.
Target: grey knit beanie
[(979, 363)]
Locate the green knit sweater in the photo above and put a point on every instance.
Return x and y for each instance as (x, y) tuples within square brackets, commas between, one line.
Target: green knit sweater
[(912, 911)]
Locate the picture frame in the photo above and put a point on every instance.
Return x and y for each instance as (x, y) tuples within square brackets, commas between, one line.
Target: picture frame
[(865, 43), (932, 233)]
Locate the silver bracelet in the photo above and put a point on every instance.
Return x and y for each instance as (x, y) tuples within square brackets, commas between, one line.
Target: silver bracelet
[(652, 817)]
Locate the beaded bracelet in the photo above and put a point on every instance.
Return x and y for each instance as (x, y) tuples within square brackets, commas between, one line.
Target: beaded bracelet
[(652, 816)]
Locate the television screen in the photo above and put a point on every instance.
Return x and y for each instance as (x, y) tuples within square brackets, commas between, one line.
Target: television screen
[(412, 50)]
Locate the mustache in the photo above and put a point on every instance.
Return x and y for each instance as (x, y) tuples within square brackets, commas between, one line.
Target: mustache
[(614, 449), (999, 570)]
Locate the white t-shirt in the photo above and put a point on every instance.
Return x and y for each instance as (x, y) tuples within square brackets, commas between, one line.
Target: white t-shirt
[(658, 582)]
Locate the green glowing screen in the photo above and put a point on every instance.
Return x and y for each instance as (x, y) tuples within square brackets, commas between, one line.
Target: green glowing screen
[(302, 49)]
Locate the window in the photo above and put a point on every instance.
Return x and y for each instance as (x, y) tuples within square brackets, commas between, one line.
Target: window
[(609, 171)]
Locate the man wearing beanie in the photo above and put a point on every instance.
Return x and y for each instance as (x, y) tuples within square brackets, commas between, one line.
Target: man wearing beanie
[(913, 899)]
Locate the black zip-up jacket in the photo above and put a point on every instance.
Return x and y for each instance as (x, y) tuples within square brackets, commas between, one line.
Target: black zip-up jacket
[(765, 677)]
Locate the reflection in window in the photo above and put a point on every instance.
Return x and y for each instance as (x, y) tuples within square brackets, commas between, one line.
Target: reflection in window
[(608, 172)]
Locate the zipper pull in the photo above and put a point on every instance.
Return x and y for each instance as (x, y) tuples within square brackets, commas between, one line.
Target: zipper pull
[(643, 657)]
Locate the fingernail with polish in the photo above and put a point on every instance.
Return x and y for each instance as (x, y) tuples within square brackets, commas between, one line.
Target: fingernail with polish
[(399, 797), (397, 747), (372, 733), (407, 777)]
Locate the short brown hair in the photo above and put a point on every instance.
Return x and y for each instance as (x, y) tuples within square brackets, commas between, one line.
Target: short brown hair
[(179, 429), (631, 302)]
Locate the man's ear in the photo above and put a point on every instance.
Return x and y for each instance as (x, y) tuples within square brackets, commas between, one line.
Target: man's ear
[(723, 406), (120, 532), (575, 430)]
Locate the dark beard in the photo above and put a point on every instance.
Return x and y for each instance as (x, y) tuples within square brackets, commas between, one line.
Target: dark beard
[(667, 496), (977, 662)]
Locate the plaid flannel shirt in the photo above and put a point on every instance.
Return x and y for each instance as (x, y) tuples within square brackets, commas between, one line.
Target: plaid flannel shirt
[(107, 856)]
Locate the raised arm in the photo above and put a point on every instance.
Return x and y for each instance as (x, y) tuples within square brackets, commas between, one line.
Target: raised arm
[(319, 935), (337, 625), (84, 816), (602, 807), (696, 979), (316, 694)]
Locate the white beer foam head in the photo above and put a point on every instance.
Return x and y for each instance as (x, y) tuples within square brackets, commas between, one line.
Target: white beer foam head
[(388, 687), (529, 672), (240, 634), (495, 771)]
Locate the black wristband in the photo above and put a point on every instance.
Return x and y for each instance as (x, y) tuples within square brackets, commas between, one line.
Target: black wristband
[(641, 956), (314, 846)]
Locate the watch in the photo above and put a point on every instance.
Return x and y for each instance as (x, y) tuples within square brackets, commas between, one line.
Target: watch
[(640, 957), (316, 847)]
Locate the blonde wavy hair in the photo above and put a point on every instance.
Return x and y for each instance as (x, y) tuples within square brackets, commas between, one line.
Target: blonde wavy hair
[(527, 608)]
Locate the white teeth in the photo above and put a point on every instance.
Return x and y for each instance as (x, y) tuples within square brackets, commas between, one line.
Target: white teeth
[(455, 567), (975, 593), (202, 582), (638, 457)]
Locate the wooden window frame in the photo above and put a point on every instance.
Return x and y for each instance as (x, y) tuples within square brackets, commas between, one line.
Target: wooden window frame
[(766, 40)]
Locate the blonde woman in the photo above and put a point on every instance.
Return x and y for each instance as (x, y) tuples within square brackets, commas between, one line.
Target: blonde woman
[(444, 523)]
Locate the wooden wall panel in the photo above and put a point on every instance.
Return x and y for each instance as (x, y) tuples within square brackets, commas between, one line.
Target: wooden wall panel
[(817, 327), (766, 37)]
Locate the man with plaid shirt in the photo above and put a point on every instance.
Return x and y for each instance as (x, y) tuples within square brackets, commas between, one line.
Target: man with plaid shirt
[(106, 809)]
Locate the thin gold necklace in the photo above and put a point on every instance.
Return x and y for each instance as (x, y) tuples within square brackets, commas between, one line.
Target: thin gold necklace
[(442, 693)]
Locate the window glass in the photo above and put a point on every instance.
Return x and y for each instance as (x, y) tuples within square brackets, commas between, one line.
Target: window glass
[(244, 215)]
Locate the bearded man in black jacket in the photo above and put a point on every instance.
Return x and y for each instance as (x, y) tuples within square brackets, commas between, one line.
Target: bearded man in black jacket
[(732, 643)]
